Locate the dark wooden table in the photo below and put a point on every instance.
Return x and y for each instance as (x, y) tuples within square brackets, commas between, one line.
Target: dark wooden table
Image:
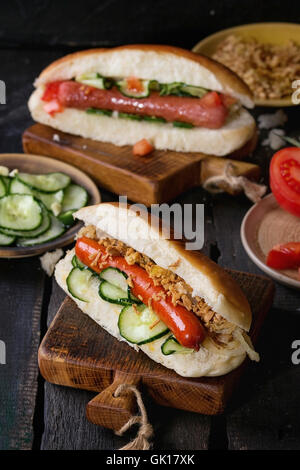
[(264, 412)]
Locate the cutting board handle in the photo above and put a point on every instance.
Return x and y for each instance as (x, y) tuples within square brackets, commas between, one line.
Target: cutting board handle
[(110, 411)]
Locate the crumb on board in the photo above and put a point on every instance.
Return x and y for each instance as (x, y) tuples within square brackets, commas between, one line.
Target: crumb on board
[(56, 138), (49, 260), (271, 120), (14, 172), (274, 141)]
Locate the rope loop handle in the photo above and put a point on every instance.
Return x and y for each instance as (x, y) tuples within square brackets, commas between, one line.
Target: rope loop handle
[(145, 432)]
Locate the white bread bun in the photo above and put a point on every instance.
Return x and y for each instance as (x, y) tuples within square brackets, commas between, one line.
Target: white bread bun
[(208, 361), (207, 279), (164, 64)]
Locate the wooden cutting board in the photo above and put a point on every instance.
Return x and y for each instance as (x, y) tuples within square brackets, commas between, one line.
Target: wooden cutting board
[(149, 180), (76, 352)]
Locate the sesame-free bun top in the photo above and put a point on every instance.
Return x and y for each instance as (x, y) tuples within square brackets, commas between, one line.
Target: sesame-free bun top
[(165, 64), (207, 279)]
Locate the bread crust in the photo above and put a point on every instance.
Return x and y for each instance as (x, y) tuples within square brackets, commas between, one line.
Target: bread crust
[(226, 77), (218, 288)]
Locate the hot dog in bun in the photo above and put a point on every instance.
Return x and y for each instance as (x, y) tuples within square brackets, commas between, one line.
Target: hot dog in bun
[(179, 307), (174, 98)]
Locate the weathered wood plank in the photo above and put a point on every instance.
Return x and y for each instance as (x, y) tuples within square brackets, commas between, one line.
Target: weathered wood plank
[(21, 281), (21, 302), (264, 413)]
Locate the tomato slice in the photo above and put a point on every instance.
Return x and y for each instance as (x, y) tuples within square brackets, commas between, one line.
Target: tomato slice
[(285, 256), (142, 148), (134, 84), (285, 179), (52, 107), (211, 99), (51, 91), (227, 100)]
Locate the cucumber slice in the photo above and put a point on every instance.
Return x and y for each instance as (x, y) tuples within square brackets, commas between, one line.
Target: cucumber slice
[(154, 85), (3, 188), (113, 294), (155, 120), (144, 93), (50, 199), (134, 299), (186, 125), (31, 233), (171, 346), (6, 180), (77, 263), (196, 91), (78, 283), (116, 277), (171, 88), (20, 212), (67, 218), (182, 89), (48, 183), (75, 197), (6, 240), (96, 80), (133, 117), (92, 79), (17, 187), (101, 112), (55, 230), (140, 325)]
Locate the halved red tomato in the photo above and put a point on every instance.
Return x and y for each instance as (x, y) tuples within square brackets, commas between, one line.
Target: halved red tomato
[(285, 179)]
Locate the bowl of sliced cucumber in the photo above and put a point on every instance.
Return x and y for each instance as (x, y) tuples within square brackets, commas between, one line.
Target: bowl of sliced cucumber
[(38, 196)]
